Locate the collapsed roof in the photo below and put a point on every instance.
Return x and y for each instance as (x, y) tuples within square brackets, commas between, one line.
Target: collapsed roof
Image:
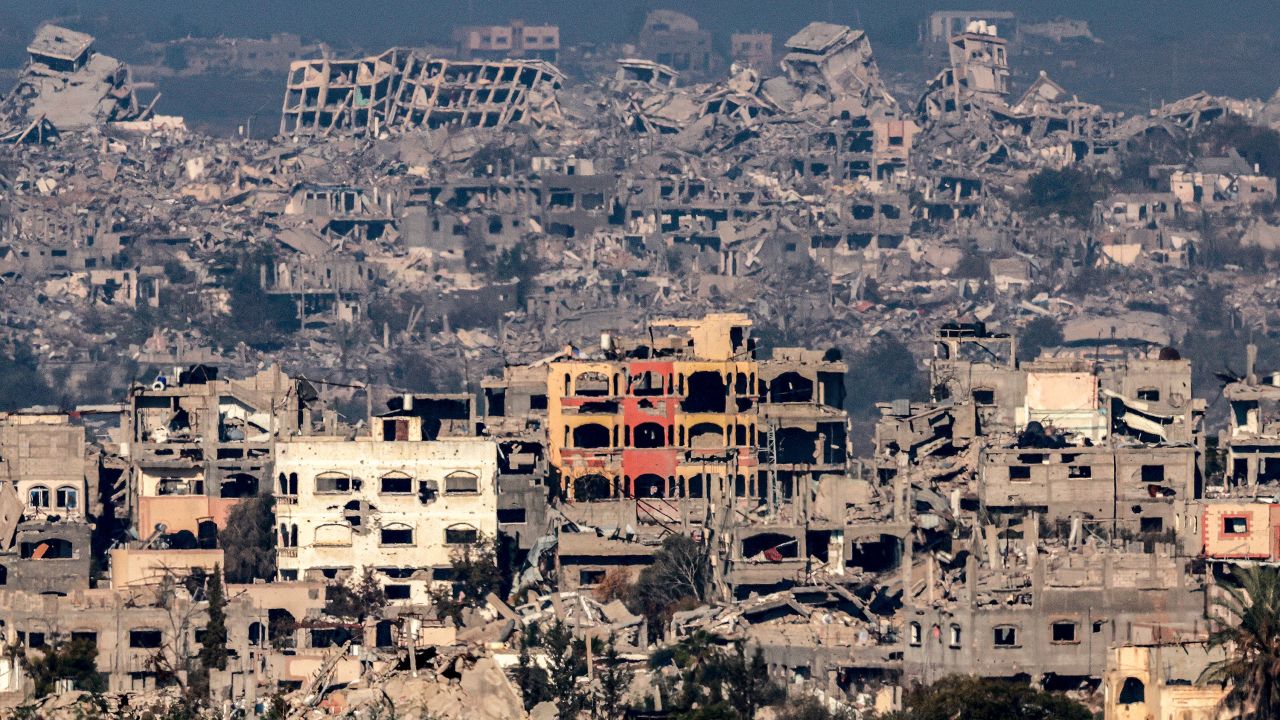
[(66, 86)]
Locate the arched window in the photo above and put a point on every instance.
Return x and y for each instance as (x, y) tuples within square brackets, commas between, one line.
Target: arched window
[(38, 497), (592, 487), (591, 436), (461, 483), (650, 485), (333, 535), (396, 534), (461, 535), (239, 485), (1132, 692), (396, 483), (333, 482), (68, 497), (649, 435)]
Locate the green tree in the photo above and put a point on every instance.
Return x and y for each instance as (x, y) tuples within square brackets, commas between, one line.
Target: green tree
[(1040, 333), (975, 698), (249, 540), (521, 263), (679, 573), (76, 660), (564, 666), (532, 680), (257, 318), (213, 653), (476, 573), (749, 687), (614, 679), (358, 600), (1069, 192), (1256, 143), (1251, 668)]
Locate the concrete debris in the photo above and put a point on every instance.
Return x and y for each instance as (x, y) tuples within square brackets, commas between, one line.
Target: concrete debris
[(582, 309)]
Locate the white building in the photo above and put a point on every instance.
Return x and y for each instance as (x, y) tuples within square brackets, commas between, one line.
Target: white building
[(401, 507)]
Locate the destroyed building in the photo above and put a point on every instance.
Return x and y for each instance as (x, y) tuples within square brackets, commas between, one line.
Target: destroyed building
[(396, 502), (402, 89), (67, 86), (454, 234)]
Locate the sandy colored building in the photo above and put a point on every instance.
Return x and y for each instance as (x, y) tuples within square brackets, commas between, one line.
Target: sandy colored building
[(398, 506)]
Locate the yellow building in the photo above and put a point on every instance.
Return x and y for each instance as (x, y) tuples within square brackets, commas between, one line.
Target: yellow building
[(1158, 683)]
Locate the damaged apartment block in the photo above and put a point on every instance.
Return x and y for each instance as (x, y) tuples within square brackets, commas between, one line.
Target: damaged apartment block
[(402, 90)]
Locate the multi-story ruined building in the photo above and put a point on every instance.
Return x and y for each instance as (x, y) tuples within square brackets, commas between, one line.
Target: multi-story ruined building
[(402, 89), (198, 444), (1038, 483), (45, 504), (677, 431), (398, 502)]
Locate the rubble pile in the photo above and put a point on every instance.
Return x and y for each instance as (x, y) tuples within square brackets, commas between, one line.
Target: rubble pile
[(481, 351)]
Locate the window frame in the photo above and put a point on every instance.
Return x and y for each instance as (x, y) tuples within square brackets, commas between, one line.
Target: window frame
[(462, 475), (1075, 632), (1235, 516), (1014, 642), (44, 491)]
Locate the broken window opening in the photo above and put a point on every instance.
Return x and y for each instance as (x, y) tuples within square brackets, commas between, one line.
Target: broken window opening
[(591, 436), (706, 435), (395, 483), (240, 485), (396, 535), (591, 384), (914, 634), (1235, 525), (68, 498), (145, 638), (791, 387), (1005, 636), (1019, 473), (333, 482), (706, 393), (461, 535), (51, 549), (38, 497), (649, 435), (1063, 631), (592, 487), (772, 547), (395, 430), (650, 486), (1132, 692), (1152, 473), (511, 516)]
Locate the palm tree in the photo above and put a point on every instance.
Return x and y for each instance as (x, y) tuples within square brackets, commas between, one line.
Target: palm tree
[(1250, 635)]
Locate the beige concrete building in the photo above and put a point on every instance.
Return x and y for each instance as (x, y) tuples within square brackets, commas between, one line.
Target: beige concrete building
[(400, 507)]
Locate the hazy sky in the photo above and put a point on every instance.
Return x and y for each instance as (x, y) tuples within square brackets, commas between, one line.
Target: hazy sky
[(406, 21), (1153, 50)]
